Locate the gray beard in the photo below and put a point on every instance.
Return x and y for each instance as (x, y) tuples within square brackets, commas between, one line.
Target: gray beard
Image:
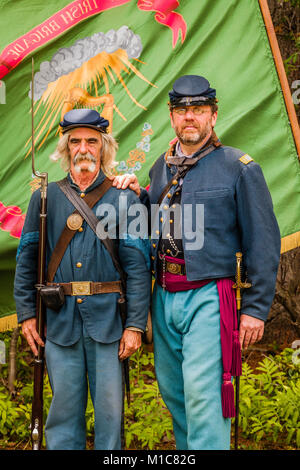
[(193, 139), (80, 157)]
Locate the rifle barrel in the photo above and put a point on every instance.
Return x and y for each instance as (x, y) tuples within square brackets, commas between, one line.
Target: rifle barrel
[(37, 404)]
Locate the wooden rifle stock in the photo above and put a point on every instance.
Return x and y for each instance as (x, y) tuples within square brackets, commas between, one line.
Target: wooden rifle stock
[(37, 404), (123, 312)]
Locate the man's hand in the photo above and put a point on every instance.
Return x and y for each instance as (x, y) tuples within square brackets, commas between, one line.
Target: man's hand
[(127, 181), (30, 332), (130, 342), (251, 330)]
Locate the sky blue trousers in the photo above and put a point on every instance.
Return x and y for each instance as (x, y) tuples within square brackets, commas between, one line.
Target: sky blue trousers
[(188, 365), (71, 369)]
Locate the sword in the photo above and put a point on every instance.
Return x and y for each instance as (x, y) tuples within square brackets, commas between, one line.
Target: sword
[(238, 286)]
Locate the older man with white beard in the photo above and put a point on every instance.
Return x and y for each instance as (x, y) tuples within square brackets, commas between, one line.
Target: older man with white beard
[(85, 339)]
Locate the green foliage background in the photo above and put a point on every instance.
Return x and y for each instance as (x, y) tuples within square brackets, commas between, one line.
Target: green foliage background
[(269, 404)]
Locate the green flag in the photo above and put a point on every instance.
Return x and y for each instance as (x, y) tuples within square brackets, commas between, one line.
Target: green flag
[(121, 57)]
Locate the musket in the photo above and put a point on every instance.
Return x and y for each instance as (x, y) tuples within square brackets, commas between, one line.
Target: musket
[(239, 284), (123, 312), (37, 404)]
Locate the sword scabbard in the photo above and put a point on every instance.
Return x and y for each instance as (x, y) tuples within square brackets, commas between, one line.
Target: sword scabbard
[(238, 286)]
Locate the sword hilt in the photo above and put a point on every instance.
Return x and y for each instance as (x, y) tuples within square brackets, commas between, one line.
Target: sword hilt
[(239, 284)]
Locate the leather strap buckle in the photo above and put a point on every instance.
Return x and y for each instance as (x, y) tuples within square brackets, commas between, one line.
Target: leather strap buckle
[(81, 288)]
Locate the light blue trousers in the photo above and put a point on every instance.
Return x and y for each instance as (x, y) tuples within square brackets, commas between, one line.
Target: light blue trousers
[(188, 364), (70, 369)]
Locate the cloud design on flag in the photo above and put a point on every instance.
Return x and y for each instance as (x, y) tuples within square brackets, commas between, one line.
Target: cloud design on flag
[(66, 60)]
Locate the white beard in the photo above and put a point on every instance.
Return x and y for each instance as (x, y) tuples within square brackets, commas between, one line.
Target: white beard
[(91, 168), (80, 157)]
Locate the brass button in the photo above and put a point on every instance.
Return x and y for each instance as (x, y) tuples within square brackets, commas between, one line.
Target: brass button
[(169, 195), (80, 229), (153, 257), (174, 182), (82, 194), (78, 265), (79, 301), (157, 232), (174, 206), (168, 251), (166, 207), (161, 219), (171, 221), (154, 245), (168, 235)]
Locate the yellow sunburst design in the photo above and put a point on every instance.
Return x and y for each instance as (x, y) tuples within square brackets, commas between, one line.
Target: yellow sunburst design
[(60, 95)]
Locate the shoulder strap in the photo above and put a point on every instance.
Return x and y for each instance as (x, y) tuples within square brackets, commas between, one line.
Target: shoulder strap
[(183, 169), (67, 234), (91, 219)]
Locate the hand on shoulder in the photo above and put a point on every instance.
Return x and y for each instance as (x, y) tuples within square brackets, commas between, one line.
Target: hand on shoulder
[(127, 181)]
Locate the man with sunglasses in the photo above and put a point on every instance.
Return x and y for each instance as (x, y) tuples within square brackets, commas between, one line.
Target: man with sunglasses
[(213, 202)]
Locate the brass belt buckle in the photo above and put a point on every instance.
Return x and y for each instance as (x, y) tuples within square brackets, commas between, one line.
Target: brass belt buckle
[(174, 268), (81, 288)]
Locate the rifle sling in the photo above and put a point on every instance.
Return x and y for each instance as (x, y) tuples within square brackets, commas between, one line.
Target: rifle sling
[(67, 234)]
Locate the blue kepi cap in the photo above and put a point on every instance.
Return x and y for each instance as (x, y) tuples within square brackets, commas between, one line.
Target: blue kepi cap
[(191, 90), (84, 118)]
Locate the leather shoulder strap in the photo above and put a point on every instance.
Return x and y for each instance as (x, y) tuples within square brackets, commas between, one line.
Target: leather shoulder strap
[(181, 172), (89, 216), (67, 234)]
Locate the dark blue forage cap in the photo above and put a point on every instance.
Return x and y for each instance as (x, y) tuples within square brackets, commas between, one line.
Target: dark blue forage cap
[(190, 90), (84, 118)]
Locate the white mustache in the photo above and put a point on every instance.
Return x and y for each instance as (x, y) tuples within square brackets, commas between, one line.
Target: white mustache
[(84, 156)]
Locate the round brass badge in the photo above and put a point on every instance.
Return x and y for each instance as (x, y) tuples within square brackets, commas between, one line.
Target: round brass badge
[(74, 221), (174, 268)]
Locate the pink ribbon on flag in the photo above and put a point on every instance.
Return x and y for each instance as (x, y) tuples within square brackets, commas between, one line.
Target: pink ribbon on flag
[(165, 15), (11, 220)]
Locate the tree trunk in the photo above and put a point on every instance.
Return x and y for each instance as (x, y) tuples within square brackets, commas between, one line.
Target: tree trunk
[(283, 325)]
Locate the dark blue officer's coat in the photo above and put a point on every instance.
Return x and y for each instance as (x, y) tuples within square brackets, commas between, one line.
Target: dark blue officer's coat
[(238, 216), (99, 313)]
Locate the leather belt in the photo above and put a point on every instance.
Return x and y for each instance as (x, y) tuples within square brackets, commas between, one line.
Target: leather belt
[(175, 268), (89, 287)]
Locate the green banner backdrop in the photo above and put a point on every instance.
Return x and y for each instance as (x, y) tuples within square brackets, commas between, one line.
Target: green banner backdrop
[(122, 56)]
